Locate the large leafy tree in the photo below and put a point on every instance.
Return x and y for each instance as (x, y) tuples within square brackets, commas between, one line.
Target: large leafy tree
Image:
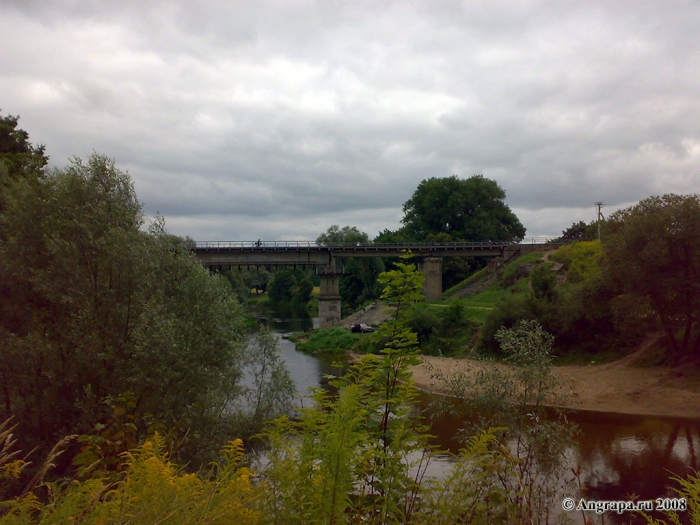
[(652, 253), (92, 306), (335, 235), (18, 157), (472, 209), (290, 285), (579, 231)]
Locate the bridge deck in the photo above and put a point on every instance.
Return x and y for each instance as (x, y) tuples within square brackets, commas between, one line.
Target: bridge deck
[(225, 253)]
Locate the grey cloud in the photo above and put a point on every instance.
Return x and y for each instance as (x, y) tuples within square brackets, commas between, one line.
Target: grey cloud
[(284, 117)]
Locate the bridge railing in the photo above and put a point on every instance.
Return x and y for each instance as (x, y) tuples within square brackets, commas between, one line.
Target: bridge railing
[(313, 244)]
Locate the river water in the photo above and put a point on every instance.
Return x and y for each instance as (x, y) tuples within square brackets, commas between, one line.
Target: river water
[(621, 457)]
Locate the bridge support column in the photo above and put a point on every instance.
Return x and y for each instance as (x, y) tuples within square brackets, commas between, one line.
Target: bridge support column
[(431, 267), (329, 305)]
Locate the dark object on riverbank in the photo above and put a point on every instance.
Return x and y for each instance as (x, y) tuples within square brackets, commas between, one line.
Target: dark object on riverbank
[(361, 328)]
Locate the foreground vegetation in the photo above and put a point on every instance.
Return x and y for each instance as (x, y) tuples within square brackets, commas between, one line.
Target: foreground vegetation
[(111, 330), (117, 345), (356, 457), (359, 456)]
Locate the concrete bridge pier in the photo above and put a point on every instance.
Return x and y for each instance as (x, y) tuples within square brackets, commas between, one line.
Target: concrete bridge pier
[(431, 267), (329, 305)]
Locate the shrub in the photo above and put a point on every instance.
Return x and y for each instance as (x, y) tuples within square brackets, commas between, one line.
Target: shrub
[(581, 259), (328, 341)]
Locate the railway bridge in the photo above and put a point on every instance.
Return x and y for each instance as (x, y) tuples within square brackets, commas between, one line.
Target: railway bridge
[(429, 255)]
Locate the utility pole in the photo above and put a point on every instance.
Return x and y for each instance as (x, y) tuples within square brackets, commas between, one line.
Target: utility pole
[(599, 214)]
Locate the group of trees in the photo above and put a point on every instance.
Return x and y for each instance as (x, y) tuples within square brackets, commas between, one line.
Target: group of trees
[(98, 315), (290, 286), (640, 279)]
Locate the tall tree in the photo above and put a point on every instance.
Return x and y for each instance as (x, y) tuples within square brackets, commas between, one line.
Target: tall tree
[(472, 209), (335, 235), (290, 285), (579, 231), (18, 157), (652, 252), (91, 307)]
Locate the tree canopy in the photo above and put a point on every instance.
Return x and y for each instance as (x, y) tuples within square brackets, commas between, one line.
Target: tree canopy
[(652, 252), (92, 306), (470, 209), (335, 235), (290, 285), (579, 231), (18, 157)]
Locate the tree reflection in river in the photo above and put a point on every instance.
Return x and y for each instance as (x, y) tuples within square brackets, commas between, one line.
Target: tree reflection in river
[(635, 455), (621, 456)]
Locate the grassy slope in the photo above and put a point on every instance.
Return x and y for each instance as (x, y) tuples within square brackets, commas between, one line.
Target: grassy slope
[(478, 305)]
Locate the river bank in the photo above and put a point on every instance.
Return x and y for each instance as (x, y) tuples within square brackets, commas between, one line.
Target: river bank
[(620, 386)]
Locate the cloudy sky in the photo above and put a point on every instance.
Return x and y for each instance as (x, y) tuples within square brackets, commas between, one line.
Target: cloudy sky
[(241, 120)]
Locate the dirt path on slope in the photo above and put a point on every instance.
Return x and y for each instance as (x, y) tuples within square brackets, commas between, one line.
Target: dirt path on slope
[(620, 386)]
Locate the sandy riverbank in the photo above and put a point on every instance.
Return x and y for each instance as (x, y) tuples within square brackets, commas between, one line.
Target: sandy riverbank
[(619, 386)]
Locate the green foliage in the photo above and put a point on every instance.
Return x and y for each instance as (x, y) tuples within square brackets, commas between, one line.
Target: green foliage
[(543, 283), (579, 231), (92, 307), (402, 286), (399, 236), (359, 445), (453, 209), (347, 235), (581, 259), (327, 341), (101, 450), (149, 490), (18, 158), (652, 252), (358, 284), (290, 285), (516, 399), (446, 331), (271, 389), (506, 314), (471, 209)]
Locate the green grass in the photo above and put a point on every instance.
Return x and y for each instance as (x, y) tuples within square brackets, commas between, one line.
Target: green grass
[(511, 268), (475, 314), (327, 341), (486, 299), (460, 286)]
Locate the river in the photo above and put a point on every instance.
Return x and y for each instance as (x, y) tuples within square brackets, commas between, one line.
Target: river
[(619, 455)]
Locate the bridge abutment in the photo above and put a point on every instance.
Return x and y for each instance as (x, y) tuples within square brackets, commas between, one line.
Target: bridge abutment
[(329, 303), (431, 267)]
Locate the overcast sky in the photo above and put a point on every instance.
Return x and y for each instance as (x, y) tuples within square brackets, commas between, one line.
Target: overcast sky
[(274, 120)]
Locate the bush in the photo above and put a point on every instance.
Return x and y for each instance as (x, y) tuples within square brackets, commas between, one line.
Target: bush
[(328, 341), (581, 259), (93, 307)]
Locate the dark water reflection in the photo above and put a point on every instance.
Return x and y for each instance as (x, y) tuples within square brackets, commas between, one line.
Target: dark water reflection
[(621, 457), (625, 455)]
